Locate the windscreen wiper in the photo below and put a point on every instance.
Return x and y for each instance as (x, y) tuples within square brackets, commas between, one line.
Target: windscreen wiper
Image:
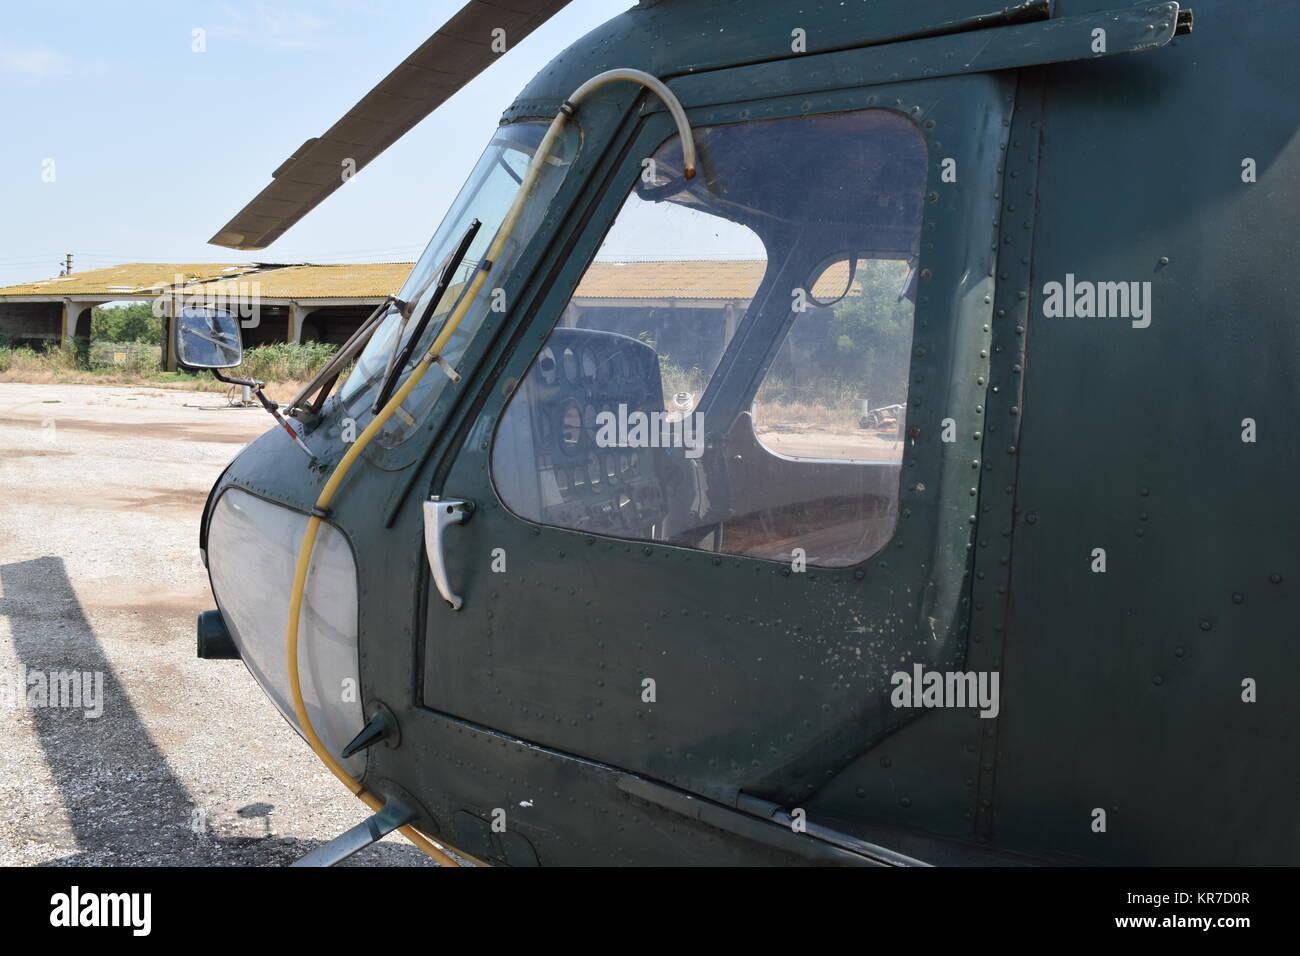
[(404, 309), (399, 361), (323, 380)]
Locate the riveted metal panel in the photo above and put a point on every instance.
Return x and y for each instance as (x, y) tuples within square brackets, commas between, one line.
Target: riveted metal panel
[(1124, 686), (991, 587), (554, 649)]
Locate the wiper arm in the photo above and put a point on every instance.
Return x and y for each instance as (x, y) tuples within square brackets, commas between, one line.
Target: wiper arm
[(444, 281), (324, 379)]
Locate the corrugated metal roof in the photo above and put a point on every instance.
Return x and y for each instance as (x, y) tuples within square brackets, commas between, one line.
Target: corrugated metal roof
[(145, 278), (708, 279), (370, 280), (699, 279), (703, 279)]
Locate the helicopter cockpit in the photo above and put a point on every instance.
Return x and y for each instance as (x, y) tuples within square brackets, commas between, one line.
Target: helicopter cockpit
[(710, 382)]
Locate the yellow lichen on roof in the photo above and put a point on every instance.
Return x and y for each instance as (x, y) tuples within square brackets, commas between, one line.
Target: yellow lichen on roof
[(698, 279), (144, 278), (723, 279), (370, 280), (701, 279)]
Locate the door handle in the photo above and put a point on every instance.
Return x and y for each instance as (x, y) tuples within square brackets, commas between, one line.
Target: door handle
[(439, 514)]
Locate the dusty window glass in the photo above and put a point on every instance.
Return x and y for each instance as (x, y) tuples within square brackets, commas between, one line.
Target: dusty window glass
[(486, 196), (731, 372), (837, 387)]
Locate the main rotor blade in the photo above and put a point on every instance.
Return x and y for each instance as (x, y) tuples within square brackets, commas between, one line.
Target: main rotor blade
[(458, 52)]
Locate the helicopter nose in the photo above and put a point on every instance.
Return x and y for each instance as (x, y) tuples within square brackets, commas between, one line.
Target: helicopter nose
[(252, 551)]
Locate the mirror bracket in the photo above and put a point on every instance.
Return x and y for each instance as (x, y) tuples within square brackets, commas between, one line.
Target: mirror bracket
[(256, 387)]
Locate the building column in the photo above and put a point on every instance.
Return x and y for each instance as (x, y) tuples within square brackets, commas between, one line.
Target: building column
[(296, 314), (169, 333), (72, 312), (68, 327)]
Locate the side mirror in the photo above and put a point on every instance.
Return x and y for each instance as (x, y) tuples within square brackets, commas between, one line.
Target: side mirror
[(208, 338)]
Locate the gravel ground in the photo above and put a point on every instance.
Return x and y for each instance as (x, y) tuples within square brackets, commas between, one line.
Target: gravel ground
[(101, 489)]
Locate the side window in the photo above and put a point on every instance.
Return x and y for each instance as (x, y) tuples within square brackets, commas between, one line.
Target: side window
[(731, 372), (837, 388)]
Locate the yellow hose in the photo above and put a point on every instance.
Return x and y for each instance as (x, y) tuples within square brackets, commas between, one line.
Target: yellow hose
[(435, 351), (295, 611)]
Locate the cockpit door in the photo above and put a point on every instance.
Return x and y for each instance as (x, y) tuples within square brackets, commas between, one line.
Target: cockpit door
[(725, 494)]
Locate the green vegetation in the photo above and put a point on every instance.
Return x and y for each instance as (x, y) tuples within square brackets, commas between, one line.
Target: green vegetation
[(833, 359), (129, 323), (282, 362), (678, 378), (136, 361), (871, 336)]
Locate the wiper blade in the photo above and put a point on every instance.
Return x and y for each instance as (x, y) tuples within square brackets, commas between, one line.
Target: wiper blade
[(404, 309), (324, 379), (444, 281)]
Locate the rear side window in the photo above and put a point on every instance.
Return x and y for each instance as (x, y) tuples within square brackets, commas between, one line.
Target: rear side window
[(731, 372)]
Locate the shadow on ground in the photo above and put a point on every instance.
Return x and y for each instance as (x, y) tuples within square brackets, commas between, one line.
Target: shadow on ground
[(124, 804)]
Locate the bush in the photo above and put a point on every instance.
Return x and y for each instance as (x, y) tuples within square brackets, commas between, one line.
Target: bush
[(132, 357), (279, 362), (679, 378), (26, 360), (282, 362)]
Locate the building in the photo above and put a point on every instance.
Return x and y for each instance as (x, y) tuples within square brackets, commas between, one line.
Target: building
[(687, 307), (282, 302)]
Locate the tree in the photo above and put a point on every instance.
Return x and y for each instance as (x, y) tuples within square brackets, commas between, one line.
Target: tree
[(127, 323), (871, 334)]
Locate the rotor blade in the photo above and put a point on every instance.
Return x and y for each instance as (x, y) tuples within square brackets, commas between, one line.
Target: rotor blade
[(460, 50)]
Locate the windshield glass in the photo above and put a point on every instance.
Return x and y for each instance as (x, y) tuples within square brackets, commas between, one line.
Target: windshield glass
[(486, 196)]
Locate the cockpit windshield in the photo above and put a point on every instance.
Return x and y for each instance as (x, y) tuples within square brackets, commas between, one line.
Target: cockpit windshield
[(486, 196)]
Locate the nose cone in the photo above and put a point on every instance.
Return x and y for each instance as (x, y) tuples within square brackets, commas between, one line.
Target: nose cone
[(252, 552)]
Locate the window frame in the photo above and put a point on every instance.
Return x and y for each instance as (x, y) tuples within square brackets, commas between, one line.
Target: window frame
[(734, 383), (653, 134), (948, 366)]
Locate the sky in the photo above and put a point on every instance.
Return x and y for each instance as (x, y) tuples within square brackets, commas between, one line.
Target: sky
[(152, 146)]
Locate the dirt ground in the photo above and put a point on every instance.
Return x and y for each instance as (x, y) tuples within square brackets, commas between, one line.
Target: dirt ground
[(101, 490), (812, 441)]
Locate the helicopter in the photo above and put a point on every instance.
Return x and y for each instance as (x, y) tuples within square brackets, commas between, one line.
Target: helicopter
[(580, 556)]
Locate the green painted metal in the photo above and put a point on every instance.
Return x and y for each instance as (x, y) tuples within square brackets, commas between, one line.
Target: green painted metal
[(979, 51), (1121, 690)]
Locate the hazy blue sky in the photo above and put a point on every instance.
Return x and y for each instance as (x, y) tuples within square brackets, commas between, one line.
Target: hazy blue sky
[(156, 146)]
